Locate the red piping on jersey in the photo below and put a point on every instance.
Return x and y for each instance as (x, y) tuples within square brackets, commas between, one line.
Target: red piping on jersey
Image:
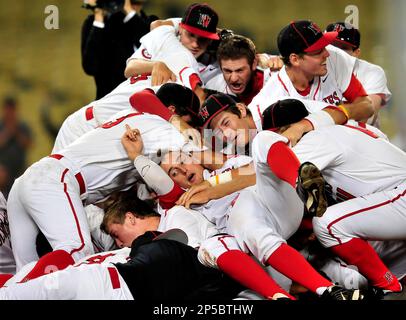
[(360, 211), (260, 114), (89, 113), (363, 130), (317, 90), (65, 187), (280, 80), (115, 281)]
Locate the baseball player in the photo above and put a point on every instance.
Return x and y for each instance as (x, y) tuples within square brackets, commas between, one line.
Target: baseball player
[(363, 169), (229, 257), (86, 172), (250, 216), (115, 222), (143, 278), (235, 125), (371, 76), (183, 42), (7, 264), (98, 112), (314, 71), (240, 75)]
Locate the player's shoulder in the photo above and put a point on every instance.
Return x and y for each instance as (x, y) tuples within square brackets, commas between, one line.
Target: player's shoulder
[(366, 66), (338, 57)]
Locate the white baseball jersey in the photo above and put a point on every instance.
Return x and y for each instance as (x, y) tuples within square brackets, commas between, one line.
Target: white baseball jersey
[(163, 44), (91, 281), (327, 90), (374, 81), (54, 190), (193, 223), (98, 112), (7, 264)]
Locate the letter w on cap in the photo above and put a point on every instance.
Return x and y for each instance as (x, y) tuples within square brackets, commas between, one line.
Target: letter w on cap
[(204, 20)]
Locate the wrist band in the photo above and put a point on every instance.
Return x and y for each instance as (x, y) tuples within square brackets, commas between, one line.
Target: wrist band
[(220, 178), (344, 110)]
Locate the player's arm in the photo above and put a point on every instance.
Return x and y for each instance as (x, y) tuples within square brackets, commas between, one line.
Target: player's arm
[(377, 102), (153, 175), (160, 73), (219, 186), (330, 115), (147, 101), (157, 23)]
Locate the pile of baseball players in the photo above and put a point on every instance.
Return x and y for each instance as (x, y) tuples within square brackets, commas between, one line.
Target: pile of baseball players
[(215, 172)]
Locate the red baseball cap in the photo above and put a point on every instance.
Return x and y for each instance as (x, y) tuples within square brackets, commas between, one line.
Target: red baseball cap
[(303, 36)]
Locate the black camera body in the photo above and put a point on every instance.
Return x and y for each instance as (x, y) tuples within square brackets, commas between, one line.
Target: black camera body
[(111, 6)]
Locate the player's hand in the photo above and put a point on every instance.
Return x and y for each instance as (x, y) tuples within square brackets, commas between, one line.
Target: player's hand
[(274, 63), (132, 142), (191, 134), (294, 133), (185, 198), (201, 197), (161, 74)]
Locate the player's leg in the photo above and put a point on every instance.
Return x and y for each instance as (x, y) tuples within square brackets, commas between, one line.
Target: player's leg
[(223, 252), (257, 230), (379, 216), (272, 151), (23, 229), (74, 126), (55, 206)]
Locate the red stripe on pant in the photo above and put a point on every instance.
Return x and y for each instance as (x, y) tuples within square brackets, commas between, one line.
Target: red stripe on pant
[(65, 187), (361, 211)]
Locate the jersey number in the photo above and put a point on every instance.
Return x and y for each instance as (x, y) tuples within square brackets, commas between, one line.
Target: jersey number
[(141, 77)]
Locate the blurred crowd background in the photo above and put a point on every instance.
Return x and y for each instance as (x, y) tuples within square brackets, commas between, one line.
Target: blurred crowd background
[(41, 69)]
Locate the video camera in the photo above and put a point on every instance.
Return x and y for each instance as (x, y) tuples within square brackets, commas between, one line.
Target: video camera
[(111, 6)]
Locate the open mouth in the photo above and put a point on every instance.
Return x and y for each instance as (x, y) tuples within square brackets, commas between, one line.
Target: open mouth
[(236, 86), (191, 177)]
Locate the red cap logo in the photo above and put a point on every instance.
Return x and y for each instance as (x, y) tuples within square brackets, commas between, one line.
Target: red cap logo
[(204, 20), (204, 113)]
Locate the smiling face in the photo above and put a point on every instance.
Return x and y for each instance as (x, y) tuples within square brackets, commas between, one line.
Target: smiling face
[(195, 44), (314, 63), (231, 128), (183, 169), (237, 73)]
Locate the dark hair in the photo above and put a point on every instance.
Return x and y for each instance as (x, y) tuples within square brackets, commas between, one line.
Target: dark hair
[(182, 98), (126, 202), (234, 109), (286, 60), (236, 47)]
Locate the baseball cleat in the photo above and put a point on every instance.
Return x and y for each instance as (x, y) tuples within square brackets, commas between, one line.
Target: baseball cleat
[(336, 293), (311, 189)]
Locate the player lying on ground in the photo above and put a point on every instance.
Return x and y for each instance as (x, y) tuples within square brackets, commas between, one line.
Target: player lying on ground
[(157, 270)]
